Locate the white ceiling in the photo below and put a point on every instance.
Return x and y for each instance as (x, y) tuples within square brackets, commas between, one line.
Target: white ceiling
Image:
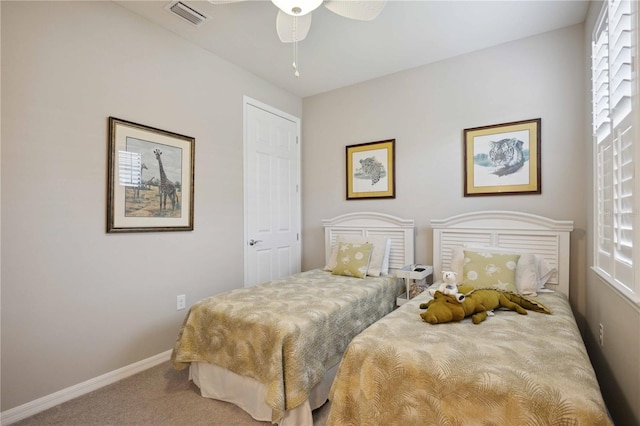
[(340, 52)]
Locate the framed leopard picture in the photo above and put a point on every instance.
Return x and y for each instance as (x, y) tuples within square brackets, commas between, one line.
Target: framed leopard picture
[(371, 170)]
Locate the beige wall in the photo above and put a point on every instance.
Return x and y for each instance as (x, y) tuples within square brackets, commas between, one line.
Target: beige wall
[(617, 363), (426, 110), (77, 302)]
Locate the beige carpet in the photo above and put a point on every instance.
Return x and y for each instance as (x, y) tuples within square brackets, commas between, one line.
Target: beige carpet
[(159, 396)]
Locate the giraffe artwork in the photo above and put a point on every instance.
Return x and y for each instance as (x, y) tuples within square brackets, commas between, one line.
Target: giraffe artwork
[(151, 182), (166, 187), (142, 158), (136, 192)]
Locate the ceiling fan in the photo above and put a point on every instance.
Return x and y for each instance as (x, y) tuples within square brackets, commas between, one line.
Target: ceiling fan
[(294, 16)]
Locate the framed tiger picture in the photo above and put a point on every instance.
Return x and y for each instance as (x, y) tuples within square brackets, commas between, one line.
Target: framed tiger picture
[(371, 170), (503, 159)]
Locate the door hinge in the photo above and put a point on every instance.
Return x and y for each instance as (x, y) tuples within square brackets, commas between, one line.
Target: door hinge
[(297, 188), (297, 237)]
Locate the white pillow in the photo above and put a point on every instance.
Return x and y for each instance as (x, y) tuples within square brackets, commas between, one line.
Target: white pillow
[(544, 271), (527, 282), (385, 261), (377, 254)]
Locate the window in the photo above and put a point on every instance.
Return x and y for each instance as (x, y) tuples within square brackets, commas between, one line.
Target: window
[(614, 97)]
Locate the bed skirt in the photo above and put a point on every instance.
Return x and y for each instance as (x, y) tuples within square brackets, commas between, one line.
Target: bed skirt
[(221, 384)]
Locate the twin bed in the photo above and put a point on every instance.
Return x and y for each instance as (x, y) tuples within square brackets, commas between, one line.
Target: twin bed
[(508, 370), (392, 367), (273, 349)]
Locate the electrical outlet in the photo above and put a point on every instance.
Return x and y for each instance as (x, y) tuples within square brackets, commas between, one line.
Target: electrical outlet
[(601, 335), (181, 302)]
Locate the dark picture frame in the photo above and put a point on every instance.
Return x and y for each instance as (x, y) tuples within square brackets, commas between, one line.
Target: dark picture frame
[(150, 179), (503, 159), (371, 170)]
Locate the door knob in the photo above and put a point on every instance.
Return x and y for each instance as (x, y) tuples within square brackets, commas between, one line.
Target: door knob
[(253, 242)]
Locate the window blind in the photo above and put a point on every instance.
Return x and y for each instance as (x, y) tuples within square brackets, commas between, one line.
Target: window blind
[(613, 95), (600, 80)]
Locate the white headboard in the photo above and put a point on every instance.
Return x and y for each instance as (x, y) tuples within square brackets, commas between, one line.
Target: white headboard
[(401, 232), (523, 232)]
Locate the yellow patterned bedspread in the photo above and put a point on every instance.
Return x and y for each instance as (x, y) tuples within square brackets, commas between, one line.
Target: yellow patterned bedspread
[(509, 370), (286, 333)]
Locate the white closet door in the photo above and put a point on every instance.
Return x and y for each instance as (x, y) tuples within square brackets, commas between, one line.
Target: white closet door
[(272, 193)]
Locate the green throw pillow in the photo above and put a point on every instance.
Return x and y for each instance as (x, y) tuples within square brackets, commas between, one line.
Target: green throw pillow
[(486, 269), (353, 260)]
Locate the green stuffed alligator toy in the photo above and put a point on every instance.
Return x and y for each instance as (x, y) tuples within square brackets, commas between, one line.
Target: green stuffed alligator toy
[(477, 304)]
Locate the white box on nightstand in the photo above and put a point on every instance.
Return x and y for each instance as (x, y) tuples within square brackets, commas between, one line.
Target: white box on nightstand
[(409, 273)]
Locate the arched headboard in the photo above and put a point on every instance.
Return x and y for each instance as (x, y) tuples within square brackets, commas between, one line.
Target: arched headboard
[(522, 232), (400, 231)]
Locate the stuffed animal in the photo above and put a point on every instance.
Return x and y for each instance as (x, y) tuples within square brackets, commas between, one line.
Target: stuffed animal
[(477, 303), (449, 286)]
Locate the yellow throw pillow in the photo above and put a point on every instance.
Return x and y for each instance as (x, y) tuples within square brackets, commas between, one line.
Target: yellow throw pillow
[(490, 270), (353, 260), (379, 253)]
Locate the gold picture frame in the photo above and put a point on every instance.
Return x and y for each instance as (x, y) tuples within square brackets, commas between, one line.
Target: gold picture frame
[(371, 170), (503, 159), (150, 179)]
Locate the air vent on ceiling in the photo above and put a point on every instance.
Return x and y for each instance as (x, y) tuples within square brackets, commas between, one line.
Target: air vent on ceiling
[(186, 12)]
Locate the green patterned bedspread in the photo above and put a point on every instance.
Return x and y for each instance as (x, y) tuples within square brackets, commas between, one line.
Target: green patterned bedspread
[(509, 370), (286, 333)]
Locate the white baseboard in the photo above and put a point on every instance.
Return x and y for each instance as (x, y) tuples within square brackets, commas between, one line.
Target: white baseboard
[(34, 407)]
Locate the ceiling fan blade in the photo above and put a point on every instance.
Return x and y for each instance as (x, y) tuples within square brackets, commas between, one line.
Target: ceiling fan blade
[(285, 27), (356, 9)]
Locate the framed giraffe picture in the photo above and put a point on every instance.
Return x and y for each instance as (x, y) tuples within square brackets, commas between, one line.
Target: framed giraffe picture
[(150, 179)]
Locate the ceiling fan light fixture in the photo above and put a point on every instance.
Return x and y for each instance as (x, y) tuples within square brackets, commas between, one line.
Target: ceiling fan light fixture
[(297, 7)]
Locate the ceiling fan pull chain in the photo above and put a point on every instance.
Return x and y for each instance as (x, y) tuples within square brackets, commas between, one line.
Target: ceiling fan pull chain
[(295, 59), (295, 48)]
